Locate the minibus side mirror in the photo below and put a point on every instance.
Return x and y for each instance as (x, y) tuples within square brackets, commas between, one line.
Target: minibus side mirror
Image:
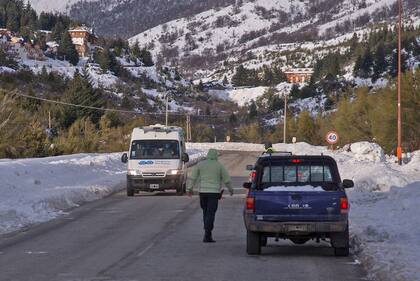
[(124, 158), (185, 158)]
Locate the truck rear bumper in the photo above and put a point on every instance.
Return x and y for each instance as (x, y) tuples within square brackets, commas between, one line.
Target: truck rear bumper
[(138, 183), (293, 228)]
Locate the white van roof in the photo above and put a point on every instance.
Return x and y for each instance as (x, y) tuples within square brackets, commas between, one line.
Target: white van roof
[(158, 131)]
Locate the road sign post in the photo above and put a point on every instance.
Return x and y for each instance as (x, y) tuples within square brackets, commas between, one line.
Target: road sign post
[(332, 138)]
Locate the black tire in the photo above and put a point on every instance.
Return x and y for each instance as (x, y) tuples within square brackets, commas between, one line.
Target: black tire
[(264, 240), (181, 190), (342, 252), (299, 241), (130, 192), (253, 243)]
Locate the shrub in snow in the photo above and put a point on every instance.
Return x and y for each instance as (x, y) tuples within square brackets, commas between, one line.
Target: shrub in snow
[(368, 151)]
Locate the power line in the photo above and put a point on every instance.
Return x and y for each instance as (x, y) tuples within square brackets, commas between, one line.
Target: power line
[(116, 110)]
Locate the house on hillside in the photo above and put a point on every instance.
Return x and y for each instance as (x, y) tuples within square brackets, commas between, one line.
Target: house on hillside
[(34, 52), (298, 75), (46, 33), (5, 32), (83, 39)]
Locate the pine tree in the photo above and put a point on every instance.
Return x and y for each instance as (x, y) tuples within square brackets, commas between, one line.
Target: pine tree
[(268, 77), (225, 81), (28, 20), (67, 49), (252, 110), (294, 92), (367, 63), (279, 75), (307, 129), (354, 41), (57, 31), (146, 57), (394, 63), (379, 62), (135, 50), (80, 92), (357, 66), (240, 78), (106, 60)]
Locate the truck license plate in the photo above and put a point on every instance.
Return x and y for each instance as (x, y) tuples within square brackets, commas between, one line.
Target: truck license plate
[(297, 228), (154, 186)]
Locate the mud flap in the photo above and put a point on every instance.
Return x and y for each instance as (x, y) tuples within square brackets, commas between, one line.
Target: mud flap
[(340, 239)]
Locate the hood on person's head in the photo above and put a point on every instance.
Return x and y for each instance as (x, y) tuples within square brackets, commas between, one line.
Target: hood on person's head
[(212, 154)]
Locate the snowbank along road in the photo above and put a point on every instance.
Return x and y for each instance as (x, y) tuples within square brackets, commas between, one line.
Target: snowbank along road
[(158, 237)]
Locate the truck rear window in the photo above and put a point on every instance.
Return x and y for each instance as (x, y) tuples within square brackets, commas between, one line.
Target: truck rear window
[(296, 174)]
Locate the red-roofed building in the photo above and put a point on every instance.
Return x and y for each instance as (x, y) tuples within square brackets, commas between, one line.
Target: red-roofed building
[(299, 75), (83, 38)]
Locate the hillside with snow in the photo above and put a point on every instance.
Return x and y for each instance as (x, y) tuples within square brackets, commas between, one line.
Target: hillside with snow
[(53, 6), (259, 32)]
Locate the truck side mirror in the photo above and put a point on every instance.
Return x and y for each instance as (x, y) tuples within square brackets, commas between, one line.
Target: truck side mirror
[(185, 158), (249, 167), (348, 183), (124, 158), (247, 185)]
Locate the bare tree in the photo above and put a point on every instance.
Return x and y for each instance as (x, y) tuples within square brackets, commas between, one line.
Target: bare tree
[(5, 110)]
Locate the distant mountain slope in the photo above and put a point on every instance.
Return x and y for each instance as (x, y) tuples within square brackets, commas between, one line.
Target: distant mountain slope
[(53, 5), (253, 30), (125, 18)]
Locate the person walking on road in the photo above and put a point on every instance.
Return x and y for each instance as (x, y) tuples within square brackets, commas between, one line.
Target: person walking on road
[(269, 148), (209, 175)]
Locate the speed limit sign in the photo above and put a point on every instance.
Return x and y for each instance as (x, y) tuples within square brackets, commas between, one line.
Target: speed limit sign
[(332, 137)]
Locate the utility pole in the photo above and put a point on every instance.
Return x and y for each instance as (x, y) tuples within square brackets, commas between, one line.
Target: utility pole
[(285, 118), (49, 120), (167, 107), (188, 128), (399, 148)]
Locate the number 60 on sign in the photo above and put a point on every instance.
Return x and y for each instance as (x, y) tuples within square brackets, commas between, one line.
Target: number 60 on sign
[(332, 137)]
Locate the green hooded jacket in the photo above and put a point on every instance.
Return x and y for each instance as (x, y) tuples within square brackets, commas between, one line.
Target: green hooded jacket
[(210, 175)]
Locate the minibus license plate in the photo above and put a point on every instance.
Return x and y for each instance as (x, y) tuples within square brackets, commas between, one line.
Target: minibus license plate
[(154, 186)]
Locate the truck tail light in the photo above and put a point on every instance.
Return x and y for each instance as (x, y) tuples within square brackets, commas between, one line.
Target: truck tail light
[(252, 176), (250, 204), (344, 205)]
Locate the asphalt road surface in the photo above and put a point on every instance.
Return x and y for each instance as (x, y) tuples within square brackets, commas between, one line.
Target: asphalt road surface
[(158, 237)]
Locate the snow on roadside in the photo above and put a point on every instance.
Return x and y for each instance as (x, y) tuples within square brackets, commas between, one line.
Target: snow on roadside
[(40, 189), (384, 215)]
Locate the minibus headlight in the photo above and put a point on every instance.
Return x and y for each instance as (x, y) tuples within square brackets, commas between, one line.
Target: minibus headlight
[(133, 173), (174, 172)]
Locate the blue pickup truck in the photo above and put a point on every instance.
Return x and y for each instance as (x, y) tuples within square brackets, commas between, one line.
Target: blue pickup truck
[(298, 198)]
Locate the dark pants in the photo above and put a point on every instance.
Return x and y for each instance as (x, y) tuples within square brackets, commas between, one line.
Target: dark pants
[(209, 203)]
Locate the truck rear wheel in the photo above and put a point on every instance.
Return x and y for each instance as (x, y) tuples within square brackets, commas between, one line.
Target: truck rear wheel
[(264, 240), (253, 243), (340, 242), (342, 252)]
